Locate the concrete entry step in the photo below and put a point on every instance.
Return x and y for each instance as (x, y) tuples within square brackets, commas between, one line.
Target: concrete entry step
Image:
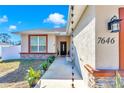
[(47, 83)]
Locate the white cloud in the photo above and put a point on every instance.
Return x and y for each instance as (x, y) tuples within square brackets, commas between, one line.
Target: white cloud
[(12, 27), (3, 19), (57, 26), (56, 19)]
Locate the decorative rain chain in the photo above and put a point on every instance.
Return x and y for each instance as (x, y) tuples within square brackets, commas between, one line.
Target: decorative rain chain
[(72, 29)]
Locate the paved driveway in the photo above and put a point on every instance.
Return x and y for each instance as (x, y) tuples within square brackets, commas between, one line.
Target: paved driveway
[(59, 75)]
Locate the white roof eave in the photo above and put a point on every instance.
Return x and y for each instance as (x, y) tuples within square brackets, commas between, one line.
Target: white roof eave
[(55, 33)]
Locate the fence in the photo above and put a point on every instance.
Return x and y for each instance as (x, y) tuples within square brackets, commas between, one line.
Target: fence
[(11, 52)]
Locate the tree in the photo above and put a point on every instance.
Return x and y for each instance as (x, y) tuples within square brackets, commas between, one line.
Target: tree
[(5, 38), (17, 43)]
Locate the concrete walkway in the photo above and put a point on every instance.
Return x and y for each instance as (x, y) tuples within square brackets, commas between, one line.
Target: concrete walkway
[(59, 75)]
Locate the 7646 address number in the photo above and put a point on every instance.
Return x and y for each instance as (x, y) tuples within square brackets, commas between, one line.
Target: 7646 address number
[(104, 40)]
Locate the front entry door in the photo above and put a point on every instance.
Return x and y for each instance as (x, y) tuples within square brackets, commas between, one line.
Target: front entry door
[(63, 48)]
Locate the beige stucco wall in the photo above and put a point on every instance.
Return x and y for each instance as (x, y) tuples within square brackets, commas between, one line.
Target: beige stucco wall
[(107, 55), (63, 38), (24, 43), (93, 24), (84, 40), (51, 43)]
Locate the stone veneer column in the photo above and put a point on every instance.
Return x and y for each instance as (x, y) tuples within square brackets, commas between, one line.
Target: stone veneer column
[(102, 78)]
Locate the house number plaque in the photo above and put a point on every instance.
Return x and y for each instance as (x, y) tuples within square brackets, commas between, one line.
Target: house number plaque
[(106, 40)]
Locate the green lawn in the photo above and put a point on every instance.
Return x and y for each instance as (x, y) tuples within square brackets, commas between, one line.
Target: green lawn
[(12, 72)]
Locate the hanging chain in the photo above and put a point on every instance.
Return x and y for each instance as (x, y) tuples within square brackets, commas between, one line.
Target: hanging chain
[(72, 29)]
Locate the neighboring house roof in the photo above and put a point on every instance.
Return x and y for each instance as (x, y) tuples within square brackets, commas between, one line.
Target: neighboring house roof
[(78, 12), (57, 31)]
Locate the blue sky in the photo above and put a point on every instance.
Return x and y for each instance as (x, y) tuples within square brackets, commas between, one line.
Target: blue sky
[(19, 18)]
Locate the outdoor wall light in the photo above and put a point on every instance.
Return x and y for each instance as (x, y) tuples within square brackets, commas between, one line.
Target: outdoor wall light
[(114, 24)]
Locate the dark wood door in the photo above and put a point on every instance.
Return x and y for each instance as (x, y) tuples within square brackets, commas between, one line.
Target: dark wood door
[(63, 48)]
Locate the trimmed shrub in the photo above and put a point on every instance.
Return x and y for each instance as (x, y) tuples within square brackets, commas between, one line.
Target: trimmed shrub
[(51, 59), (45, 66)]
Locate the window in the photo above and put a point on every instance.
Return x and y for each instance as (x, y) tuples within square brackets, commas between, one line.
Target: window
[(38, 44), (34, 44)]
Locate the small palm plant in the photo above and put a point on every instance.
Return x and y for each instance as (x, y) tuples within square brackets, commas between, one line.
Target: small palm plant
[(118, 83), (33, 76)]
